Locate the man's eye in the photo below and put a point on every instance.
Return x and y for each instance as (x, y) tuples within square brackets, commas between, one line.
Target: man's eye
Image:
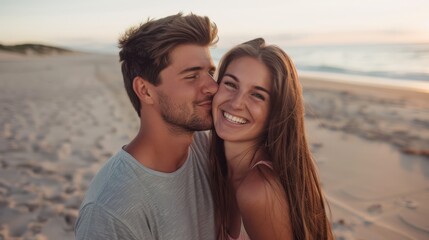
[(192, 76)]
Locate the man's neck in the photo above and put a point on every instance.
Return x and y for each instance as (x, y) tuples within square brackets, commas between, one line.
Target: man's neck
[(160, 149)]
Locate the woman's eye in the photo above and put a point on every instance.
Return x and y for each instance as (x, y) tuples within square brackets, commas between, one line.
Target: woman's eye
[(230, 85), (259, 96)]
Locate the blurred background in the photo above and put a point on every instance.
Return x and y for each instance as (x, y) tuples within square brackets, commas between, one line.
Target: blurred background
[(378, 38), (95, 25), (363, 65)]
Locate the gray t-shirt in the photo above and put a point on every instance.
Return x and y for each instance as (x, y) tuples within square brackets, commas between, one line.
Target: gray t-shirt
[(126, 200)]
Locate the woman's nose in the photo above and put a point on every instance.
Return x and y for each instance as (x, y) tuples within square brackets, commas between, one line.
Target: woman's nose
[(237, 101)]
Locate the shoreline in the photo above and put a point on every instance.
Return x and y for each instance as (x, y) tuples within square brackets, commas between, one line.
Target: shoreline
[(315, 81), (368, 81)]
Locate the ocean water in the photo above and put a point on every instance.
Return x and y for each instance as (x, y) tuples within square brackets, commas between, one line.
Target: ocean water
[(401, 65)]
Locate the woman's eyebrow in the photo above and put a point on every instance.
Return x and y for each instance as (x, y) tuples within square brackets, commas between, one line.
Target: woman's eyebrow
[(256, 87), (263, 89), (231, 76)]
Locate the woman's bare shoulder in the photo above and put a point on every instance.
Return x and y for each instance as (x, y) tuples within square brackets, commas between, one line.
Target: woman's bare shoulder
[(263, 205), (259, 186)]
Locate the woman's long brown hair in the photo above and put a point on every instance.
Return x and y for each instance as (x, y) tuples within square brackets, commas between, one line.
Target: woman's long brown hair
[(285, 143)]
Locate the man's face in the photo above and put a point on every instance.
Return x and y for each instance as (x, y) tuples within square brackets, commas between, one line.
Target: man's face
[(187, 88)]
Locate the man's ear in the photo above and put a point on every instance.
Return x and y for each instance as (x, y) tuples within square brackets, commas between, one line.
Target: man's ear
[(143, 89)]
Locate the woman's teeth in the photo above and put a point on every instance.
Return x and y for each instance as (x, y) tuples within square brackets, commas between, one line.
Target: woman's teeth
[(234, 119)]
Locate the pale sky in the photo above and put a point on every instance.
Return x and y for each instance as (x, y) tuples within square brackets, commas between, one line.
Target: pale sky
[(99, 23)]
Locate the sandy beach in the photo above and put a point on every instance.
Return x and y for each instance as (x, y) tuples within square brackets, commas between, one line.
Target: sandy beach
[(371, 145), (62, 116)]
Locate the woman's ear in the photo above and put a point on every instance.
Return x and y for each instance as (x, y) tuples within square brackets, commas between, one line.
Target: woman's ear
[(142, 88)]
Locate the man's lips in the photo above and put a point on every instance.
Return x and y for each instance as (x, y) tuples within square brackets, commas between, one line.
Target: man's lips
[(205, 103)]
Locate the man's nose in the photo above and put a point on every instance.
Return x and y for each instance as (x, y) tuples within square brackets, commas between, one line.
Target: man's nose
[(210, 85)]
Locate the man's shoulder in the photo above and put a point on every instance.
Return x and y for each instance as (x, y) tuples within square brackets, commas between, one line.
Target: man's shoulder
[(97, 222), (115, 184), (114, 199), (200, 150), (202, 140)]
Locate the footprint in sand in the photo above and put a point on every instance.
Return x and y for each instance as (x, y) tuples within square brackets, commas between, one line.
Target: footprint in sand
[(375, 208), (7, 131), (411, 204), (31, 137), (343, 230), (35, 228), (43, 146), (95, 154), (316, 146), (17, 222), (80, 133), (70, 218), (15, 146), (53, 194), (99, 142), (35, 168), (95, 122), (3, 164), (64, 150), (113, 130), (46, 212)]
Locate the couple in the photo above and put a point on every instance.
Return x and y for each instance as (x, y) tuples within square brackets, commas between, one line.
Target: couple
[(173, 181)]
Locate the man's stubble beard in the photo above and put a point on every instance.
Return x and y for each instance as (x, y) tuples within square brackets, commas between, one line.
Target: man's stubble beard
[(182, 119)]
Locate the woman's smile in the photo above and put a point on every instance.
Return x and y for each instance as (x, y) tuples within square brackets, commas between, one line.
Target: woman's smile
[(233, 119)]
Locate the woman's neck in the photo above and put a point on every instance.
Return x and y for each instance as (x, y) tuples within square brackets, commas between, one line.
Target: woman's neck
[(240, 158)]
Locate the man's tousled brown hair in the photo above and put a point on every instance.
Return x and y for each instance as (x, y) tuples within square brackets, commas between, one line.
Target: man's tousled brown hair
[(145, 48)]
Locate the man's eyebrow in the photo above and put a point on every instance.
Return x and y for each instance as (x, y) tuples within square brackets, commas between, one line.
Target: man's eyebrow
[(191, 69), (256, 87), (196, 68)]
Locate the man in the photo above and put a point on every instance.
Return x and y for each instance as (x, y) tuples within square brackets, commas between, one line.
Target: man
[(157, 186)]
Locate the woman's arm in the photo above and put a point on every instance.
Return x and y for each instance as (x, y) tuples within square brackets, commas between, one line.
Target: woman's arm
[(263, 206)]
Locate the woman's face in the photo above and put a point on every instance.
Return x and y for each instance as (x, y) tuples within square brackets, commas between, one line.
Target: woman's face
[(241, 104)]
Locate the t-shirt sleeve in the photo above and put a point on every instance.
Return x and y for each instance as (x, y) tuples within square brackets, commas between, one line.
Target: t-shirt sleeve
[(95, 222)]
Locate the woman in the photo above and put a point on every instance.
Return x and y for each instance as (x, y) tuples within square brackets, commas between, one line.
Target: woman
[(263, 175)]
